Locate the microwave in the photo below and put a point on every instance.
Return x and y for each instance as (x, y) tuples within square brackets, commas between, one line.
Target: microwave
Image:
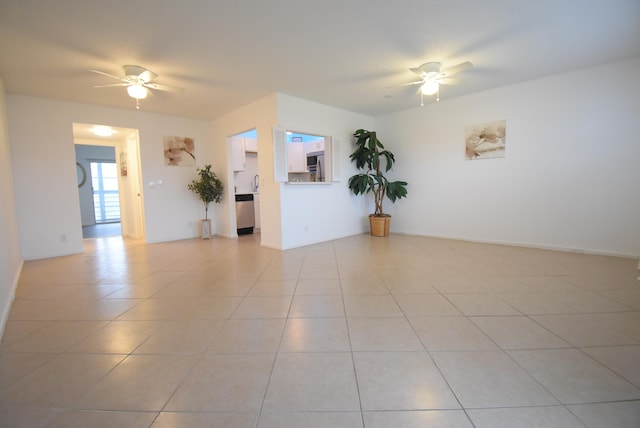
[(312, 158), (312, 161)]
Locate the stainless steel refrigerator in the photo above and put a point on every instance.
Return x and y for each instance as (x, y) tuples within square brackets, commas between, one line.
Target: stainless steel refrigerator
[(320, 170)]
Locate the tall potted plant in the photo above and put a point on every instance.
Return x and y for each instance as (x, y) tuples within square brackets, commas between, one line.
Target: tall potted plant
[(210, 189), (374, 160)]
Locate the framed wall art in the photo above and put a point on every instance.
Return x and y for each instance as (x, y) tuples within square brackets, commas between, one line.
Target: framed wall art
[(179, 151), (485, 140)]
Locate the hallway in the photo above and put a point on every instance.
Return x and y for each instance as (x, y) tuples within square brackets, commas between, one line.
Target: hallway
[(101, 230)]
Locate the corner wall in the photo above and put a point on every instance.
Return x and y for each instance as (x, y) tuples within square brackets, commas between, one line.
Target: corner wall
[(570, 179), (292, 215), (260, 115), (315, 213), (43, 159), (10, 252)]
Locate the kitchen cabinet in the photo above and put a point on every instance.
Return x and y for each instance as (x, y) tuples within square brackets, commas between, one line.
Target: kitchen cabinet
[(239, 148), (314, 146), (237, 154), (256, 207), (297, 157), (251, 145)]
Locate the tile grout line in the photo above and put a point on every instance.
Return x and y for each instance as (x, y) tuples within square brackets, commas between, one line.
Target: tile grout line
[(277, 353)]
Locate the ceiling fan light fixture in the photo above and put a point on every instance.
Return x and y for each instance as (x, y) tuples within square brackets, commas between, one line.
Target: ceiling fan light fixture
[(430, 87), (137, 91)]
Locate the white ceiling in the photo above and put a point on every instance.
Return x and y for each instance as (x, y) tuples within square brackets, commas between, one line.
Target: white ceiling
[(344, 53)]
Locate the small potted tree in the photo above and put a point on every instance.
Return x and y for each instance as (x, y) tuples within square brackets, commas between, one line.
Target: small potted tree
[(369, 156), (210, 189)]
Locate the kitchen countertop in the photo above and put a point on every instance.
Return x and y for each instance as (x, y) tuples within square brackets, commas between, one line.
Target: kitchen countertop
[(296, 183)]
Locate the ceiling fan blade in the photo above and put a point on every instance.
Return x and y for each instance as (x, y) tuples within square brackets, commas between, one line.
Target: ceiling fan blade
[(106, 74), (448, 81), (456, 69), (417, 82), (427, 69), (418, 71), (165, 88), (137, 72), (111, 85), (147, 76)]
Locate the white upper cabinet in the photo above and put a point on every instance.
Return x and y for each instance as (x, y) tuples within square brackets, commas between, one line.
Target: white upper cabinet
[(251, 145), (237, 154), (291, 157), (314, 146), (297, 157)]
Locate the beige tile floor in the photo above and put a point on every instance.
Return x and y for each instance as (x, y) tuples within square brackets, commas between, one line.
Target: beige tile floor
[(358, 332)]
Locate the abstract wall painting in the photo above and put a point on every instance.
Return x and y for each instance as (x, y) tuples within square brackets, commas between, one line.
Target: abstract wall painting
[(485, 140), (179, 151)]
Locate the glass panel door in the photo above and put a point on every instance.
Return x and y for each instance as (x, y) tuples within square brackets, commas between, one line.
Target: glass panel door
[(106, 201)]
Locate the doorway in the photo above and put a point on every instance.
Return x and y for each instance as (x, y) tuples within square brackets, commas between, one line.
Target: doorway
[(246, 181), (111, 193)]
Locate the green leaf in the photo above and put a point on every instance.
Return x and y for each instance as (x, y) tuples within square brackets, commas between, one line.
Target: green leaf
[(396, 190), (368, 155), (209, 188)]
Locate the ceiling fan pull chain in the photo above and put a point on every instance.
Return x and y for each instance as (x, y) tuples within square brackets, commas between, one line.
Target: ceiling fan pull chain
[(421, 99)]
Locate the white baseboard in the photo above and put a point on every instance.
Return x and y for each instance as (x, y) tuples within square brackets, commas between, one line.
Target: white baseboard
[(528, 245), (6, 307)]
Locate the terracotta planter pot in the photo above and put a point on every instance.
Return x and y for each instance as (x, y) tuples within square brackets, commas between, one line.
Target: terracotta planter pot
[(379, 225)]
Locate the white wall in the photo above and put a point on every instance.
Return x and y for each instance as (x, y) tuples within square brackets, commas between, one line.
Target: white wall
[(42, 146), (570, 178), (320, 212), (10, 252)]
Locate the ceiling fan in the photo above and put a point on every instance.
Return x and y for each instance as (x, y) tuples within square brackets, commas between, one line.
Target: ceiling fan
[(138, 81), (431, 77)]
